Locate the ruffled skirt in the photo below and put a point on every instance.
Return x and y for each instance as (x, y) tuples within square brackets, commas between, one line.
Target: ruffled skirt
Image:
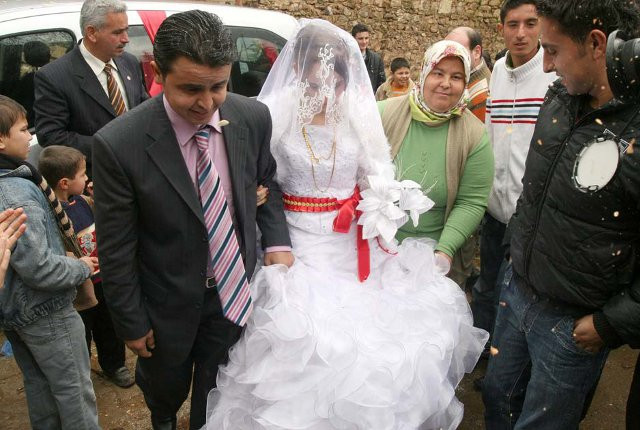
[(325, 351)]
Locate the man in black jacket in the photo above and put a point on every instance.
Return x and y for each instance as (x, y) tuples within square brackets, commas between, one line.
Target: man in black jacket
[(575, 289), (375, 66)]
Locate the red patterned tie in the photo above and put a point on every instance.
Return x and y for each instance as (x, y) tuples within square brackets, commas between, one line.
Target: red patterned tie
[(115, 96), (224, 252)]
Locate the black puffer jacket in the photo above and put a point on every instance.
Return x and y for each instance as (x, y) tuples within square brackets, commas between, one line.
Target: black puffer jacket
[(576, 248)]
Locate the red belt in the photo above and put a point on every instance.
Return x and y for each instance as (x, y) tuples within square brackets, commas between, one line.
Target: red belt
[(347, 212)]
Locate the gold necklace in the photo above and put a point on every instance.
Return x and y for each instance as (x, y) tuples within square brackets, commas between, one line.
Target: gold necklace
[(316, 160)]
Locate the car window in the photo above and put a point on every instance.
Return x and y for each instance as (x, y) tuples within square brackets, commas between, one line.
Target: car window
[(257, 51), (21, 55)]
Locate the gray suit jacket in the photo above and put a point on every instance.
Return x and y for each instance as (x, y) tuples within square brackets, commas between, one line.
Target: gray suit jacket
[(71, 105), (152, 238)]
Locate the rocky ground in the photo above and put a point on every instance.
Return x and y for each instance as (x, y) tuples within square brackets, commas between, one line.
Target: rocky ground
[(124, 409)]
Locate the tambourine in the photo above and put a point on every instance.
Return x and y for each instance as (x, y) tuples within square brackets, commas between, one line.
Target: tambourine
[(598, 161)]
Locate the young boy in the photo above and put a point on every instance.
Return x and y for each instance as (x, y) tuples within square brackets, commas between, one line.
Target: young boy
[(65, 169), (36, 310), (399, 83)]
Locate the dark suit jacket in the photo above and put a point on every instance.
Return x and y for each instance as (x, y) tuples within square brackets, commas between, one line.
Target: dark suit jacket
[(375, 69), (71, 105), (152, 238)]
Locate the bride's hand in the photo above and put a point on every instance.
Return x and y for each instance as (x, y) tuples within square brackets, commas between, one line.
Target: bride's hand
[(443, 262), (262, 194), (278, 257)]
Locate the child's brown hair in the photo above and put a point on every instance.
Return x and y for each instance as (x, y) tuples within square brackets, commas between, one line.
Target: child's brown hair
[(10, 112), (58, 162)]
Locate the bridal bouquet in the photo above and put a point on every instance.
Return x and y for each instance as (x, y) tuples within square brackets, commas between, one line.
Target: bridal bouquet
[(388, 204)]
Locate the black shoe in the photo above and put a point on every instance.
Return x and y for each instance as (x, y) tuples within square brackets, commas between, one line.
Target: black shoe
[(163, 423), (121, 377), (477, 384)]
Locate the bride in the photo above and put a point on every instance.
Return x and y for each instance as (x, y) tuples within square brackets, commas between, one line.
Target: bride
[(360, 333)]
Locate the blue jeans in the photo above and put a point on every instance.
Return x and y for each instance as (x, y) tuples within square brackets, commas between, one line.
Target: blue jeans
[(486, 290), (537, 377), (52, 355)]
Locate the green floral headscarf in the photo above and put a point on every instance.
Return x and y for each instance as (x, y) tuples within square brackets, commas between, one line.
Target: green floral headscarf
[(434, 54)]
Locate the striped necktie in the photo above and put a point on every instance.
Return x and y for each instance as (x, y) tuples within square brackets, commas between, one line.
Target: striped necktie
[(224, 252), (115, 96)]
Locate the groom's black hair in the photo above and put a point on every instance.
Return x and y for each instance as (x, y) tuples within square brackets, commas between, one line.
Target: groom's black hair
[(196, 35)]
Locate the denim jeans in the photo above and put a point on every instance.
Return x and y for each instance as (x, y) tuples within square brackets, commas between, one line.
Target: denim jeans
[(486, 290), (52, 355), (537, 378)]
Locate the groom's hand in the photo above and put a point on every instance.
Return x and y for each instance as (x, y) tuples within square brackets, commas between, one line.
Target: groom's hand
[(278, 257), (142, 347)]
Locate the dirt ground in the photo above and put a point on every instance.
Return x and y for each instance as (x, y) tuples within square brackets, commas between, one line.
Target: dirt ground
[(124, 409)]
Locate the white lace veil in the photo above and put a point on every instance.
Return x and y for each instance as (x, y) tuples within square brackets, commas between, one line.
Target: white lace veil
[(321, 67)]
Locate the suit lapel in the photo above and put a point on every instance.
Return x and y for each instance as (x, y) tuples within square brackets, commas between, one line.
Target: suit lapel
[(89, 82), (235, 140), (127, 77), (165, 153)]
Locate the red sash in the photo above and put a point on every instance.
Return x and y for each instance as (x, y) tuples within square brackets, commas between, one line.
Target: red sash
[(341, 224)]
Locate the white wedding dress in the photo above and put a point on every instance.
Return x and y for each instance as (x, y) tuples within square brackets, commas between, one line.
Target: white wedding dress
[(323, 350)]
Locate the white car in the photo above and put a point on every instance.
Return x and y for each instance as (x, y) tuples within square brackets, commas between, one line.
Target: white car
[(35, 32)]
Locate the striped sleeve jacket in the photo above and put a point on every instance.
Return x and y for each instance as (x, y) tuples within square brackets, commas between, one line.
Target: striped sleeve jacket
[(516, 95)]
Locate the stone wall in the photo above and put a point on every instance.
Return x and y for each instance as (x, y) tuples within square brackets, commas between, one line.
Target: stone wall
[(400, 28)]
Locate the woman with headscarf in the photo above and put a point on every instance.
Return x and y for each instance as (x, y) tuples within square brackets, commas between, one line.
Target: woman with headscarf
[(441, 145), (358, 333)]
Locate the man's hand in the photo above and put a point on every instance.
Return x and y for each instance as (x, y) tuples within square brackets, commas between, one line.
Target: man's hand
[(12, 225), (262, 194), (91, 262), (586, 336), (142, 347), (279, 257), (11, 228)]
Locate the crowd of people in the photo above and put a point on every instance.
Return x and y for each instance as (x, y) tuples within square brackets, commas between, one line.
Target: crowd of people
[(346, 306)]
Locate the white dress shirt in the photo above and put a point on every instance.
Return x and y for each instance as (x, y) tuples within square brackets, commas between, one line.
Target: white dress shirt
[(97, 65)]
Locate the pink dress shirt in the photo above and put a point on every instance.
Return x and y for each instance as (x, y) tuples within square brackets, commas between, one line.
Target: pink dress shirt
[(184, 131)]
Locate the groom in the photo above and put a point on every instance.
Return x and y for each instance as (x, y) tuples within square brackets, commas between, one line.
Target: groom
[(175, 195)]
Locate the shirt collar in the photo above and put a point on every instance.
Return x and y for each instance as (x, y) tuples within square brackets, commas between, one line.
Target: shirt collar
[(184, 129), (96, 64), (479, 66)]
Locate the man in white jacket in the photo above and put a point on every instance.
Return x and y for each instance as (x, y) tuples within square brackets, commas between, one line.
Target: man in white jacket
[(518, 85)]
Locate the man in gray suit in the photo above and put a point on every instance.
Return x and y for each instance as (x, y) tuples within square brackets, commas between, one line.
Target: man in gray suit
[(157, 231), (75, 96)]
